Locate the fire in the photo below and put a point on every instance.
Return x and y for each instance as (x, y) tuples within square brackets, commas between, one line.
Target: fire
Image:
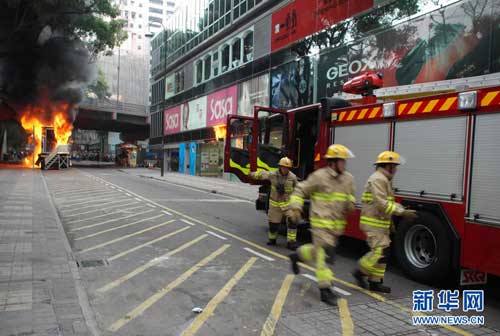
[(220, 131), (33, 119)]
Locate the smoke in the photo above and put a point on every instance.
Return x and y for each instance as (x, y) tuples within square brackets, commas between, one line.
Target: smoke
[(57, 68)]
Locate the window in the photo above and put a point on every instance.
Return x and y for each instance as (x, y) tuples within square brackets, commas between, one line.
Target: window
[(131, 25), (248, 47), (133, 15), (155, 10), (171, 4), (199, 71), (140, 36), (155, 19), (140, 5), (179, 81), (158, 2), (208, 67), (235, 62), (139, 47), (215, 63), (225, 58), (140, 15), (140, 26)]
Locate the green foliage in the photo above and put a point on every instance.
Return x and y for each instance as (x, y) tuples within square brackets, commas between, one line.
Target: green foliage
[(99, 87)]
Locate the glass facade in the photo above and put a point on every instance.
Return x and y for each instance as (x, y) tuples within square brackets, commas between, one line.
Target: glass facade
[(194, 22)]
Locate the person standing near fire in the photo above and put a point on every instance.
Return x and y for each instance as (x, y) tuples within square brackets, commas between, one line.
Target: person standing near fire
[(283, 182), (331, 190)]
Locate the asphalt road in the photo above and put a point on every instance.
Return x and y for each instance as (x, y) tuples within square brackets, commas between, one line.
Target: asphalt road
[(151, 254)]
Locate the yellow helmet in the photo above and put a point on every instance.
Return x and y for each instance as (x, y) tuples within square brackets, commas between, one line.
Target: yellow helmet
[(285, 162), (337, 151), (390, 157)]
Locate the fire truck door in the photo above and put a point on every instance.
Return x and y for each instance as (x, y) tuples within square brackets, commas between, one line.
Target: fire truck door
[(238, 146), (272, 139)]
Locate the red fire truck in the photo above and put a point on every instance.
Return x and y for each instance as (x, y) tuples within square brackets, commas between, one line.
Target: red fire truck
[(452, 176)]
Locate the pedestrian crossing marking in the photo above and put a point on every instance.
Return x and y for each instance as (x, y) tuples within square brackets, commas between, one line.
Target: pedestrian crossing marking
[(107, 214), (110, 220), (102, 209), (216, 235), (140, 309)]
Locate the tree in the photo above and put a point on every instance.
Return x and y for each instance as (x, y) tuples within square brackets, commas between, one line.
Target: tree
[(99, 87)]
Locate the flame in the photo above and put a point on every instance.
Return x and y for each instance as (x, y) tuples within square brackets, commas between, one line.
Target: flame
[(33, 119), (220, 132)]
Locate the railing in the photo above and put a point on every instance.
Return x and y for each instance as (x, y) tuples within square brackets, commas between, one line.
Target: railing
[(114, 106)]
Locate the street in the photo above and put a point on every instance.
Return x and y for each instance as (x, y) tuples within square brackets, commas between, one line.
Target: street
[(158, 258)]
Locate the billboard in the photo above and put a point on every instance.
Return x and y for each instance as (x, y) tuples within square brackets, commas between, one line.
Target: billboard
[(453, 42), (220, 104), (292, 84), (302, 18), (194, 114), (172, 120), (253, 92)]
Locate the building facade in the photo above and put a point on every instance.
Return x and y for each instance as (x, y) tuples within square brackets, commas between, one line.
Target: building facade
[(220, 57)]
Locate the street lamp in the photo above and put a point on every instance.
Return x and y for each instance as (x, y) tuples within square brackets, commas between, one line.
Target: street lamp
[(149, 35)]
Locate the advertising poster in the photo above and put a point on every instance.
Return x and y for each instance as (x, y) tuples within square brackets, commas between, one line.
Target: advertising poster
[(169, 86), (454, 42), (292, 84), (302, 18), (220, 104), (251, 93), (172, 120), (193, 114)]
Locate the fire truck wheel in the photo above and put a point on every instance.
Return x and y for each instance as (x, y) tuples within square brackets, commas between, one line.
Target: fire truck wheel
[(423, 248)]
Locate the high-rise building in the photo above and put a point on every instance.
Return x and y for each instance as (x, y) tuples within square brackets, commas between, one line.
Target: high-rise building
[(143, 17)]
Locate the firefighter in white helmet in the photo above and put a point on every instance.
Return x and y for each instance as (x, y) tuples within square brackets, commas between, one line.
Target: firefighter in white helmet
[(331, 190), (283, 182), (376, 220)]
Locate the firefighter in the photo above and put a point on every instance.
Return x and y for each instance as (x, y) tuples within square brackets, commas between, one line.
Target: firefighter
[(283, 181), (376, 221), (331, 190)]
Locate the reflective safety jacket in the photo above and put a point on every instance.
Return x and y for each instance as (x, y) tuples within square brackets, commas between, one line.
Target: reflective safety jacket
[(288, 183), (378, 203), (332, 198)]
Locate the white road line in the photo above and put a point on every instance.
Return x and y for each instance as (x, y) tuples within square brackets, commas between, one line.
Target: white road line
[(99, 204), (258, 254), (103, 215), (151, 205), (335, 288), (69, 215), (66, 206), (166, 212), (215, 235), (187, 222), (108, 221), (113, 187), (138, 199), (128, 194)]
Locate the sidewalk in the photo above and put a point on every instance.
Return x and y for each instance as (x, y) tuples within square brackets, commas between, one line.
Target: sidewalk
[(209, 184), (39, 284)]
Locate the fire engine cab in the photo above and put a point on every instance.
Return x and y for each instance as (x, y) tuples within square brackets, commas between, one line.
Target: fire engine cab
[(452, 177)]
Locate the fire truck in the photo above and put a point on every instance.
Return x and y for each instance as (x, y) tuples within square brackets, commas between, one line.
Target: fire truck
[(451, 142)]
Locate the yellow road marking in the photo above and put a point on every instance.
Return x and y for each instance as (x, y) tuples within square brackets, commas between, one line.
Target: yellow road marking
[(345, 318), (150, 264), (165, 290), (430, 106), (447, 104), (218, 298), (111, 213), (284, 257), (126, 236), (414, 107), (489, 98), (117, 228), (109, 221), (102, 209), (274, 316), (124, 253)]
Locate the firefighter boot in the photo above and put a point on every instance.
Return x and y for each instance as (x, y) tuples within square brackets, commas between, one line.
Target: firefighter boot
[(272, 234), (271, 242), (294, 259), (360, 278), (291, 245), (328, 297), (379, 287)]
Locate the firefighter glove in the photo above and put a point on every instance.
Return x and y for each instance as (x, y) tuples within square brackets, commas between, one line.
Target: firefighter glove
[(409, 214)]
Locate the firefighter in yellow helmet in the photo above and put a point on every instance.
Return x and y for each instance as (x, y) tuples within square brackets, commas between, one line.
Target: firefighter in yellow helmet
[(376, 220), (283, 181), (331, 190)]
